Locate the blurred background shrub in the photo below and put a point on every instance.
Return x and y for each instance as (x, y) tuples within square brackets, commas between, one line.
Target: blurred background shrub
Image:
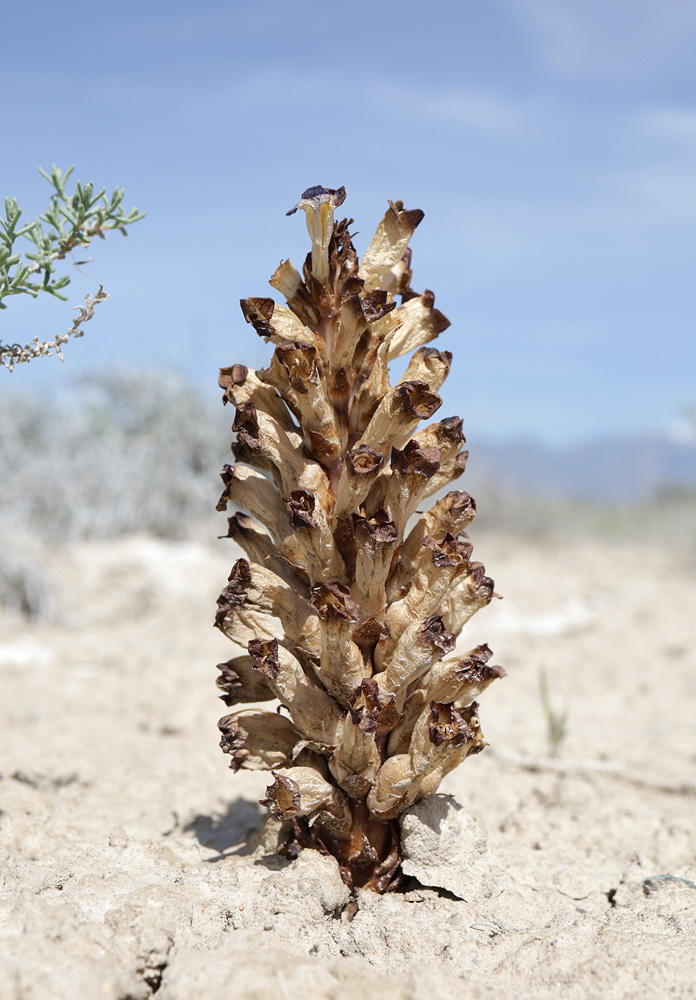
[(125, 452), (139, 451)]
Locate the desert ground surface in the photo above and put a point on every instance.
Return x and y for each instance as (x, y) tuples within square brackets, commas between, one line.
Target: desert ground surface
[(131, 857)]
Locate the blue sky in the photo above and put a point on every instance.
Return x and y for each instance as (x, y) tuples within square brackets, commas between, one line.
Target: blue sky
[(551, 144)]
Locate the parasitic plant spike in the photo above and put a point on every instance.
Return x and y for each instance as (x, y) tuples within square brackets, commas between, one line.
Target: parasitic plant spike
[(347, 605)]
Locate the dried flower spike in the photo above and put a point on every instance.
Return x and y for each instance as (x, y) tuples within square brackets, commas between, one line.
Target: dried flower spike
[(346, 610)]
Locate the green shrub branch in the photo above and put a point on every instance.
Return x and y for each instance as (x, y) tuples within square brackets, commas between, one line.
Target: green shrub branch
[(71, 221)]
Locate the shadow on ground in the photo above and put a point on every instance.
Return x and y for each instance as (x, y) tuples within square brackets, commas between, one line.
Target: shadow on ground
[(232, 828)]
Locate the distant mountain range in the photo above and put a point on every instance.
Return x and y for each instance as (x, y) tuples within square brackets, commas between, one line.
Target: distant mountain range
[(605, 470)]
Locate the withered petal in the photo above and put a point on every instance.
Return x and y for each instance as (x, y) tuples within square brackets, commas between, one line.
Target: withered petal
[(258, 312), (413, 460), (283, 796), (332, 602), (363, 460), (301, 504), (416, 400), (234, 375), (435, 634), (378, 527), (265, 657)]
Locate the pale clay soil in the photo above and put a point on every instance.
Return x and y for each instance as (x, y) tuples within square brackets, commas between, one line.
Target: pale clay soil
[(127, 851)]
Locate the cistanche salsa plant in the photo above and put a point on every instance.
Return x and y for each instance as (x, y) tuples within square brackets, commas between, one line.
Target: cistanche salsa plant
[(351, 594)]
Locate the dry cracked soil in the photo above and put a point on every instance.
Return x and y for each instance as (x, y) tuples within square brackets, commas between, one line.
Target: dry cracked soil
[(133, 862)]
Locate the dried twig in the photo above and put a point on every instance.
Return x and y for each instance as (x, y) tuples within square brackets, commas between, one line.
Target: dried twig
[(15, 354), (590, 767)]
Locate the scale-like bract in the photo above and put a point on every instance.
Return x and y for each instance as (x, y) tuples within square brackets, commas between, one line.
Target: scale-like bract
[(351, 594)]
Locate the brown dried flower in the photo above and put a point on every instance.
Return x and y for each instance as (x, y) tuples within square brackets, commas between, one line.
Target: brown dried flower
[(346, 609)]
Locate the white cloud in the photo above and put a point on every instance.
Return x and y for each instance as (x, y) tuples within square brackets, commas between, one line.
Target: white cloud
[(616, 40), (663, 194), (463, 108), (682, 431), (675, 124)]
